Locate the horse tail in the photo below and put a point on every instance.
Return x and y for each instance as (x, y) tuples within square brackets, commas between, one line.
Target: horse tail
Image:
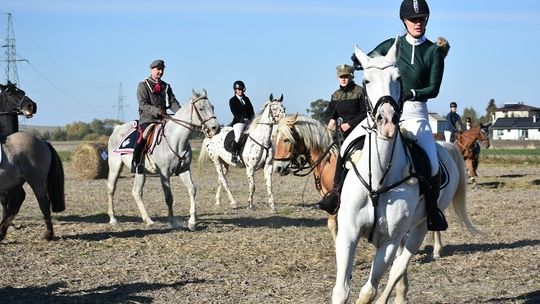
[(55, 182), (459, 201), (203, 154)]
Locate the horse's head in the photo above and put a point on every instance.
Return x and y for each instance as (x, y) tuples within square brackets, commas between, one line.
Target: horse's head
[(275, 108), (484, 138), (15, 100), (284, 145), (204, 113), (382, 84)]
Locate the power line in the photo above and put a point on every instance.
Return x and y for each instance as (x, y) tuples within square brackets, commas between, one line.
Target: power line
[(120, 105)]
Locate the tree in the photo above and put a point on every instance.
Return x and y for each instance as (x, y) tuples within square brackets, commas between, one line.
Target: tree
[(317, 109), (490, 109)]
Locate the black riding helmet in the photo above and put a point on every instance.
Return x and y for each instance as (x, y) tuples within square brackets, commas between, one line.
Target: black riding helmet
[(411, 9), (239, 84)]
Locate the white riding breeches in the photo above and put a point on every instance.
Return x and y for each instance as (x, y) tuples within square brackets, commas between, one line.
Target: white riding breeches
[(447, 136), (415, 120), (238, 128)]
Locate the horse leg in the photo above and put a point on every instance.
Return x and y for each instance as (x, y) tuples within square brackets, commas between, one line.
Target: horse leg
[(398, 271), (331, 223), (115, 166), (169, 200), (346, 242), (437, 244), (250, 172), (11, 204), (383, 258), (137, 192), (45, 206), (268, 177), (222, 170), (187, 179)]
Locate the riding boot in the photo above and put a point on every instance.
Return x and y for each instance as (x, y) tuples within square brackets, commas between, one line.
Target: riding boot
[(330, 201), (234, 153), (136, 166), (435, 217)]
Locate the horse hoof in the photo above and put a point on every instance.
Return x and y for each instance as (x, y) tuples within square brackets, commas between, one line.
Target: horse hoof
[(191, 227), (113, 222), (149, 223)]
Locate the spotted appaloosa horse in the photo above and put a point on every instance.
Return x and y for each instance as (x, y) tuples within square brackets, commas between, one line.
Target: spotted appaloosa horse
[(257, 153), (466, 142)]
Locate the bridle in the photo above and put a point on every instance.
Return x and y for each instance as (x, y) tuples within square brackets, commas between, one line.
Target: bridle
[(188, 124), (374, 192), (273, 119), (17, 110)]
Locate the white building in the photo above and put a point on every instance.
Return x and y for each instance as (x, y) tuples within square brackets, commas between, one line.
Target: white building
[(516, 121)]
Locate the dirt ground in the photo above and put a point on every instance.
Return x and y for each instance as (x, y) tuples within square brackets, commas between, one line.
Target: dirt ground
[(255, 256)]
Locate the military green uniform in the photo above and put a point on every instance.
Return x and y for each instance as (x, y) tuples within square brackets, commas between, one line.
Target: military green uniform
[(347, 102)]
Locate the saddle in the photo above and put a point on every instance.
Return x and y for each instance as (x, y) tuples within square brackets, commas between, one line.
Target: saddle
[(152, 134), (421, 165), (229, 139)]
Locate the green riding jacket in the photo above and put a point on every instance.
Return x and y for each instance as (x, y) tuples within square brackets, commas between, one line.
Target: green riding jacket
[(421, 66)]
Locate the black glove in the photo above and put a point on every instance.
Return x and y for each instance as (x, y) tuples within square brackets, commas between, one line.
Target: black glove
[(408, 95), (356, 64)]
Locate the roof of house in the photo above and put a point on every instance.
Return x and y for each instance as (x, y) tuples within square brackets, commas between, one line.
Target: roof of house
[(517, 107), (437, 116), (516, 123)]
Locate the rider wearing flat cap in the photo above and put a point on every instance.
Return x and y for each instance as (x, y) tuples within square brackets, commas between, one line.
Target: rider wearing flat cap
[(155, 96)]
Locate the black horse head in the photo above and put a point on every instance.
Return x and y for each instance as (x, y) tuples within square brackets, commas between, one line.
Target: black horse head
[(14, 102)]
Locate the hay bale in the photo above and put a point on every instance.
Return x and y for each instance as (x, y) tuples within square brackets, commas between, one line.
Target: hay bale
[(90, 160)]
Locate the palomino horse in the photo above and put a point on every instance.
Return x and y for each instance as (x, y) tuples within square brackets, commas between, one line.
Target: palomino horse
[(381, 198), (466, 144), (171, 155), (257, 152), (303, 143), (25, 158)]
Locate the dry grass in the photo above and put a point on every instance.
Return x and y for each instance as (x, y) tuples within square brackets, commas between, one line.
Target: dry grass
[(254, 256)]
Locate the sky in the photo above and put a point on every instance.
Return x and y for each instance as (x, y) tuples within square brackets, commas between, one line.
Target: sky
[(78, 59)]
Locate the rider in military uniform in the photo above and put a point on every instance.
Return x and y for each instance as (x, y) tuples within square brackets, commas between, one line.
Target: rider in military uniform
[(155, 96), (347, 105)]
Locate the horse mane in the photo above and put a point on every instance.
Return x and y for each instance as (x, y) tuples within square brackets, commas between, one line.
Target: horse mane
[(257, 118), (314, 134)]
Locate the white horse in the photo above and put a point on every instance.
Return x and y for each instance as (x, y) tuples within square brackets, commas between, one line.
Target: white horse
[(380, 199), (257, 152), (171, 155)]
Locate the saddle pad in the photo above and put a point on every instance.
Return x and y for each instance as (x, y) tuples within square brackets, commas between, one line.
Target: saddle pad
[(128, 141)]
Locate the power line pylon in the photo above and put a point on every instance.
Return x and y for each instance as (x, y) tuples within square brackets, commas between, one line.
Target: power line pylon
[(11, 53), (120, 105)]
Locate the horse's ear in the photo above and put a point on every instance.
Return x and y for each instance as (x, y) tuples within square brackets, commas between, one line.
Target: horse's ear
[(361, 56), (281, 98), (295, 116), (271, 97), (394, 50), (2, 87), (291, 120), (195, 94), (203, 92), (9, 83)]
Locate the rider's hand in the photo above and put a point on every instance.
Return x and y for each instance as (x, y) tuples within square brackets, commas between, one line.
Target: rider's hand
[(332, 124), (345, 126), (408, 95)]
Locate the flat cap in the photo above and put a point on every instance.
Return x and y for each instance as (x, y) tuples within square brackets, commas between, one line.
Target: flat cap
[(344, 69), (157, 63)]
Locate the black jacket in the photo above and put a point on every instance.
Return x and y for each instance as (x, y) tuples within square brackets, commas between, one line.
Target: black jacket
[(242, 113), (347, 103)]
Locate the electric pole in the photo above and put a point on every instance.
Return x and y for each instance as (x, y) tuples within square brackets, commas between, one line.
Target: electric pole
[(11, 53), (120, 105)]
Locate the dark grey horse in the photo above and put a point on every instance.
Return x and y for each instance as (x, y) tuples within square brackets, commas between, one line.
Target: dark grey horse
[(26, 158)]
